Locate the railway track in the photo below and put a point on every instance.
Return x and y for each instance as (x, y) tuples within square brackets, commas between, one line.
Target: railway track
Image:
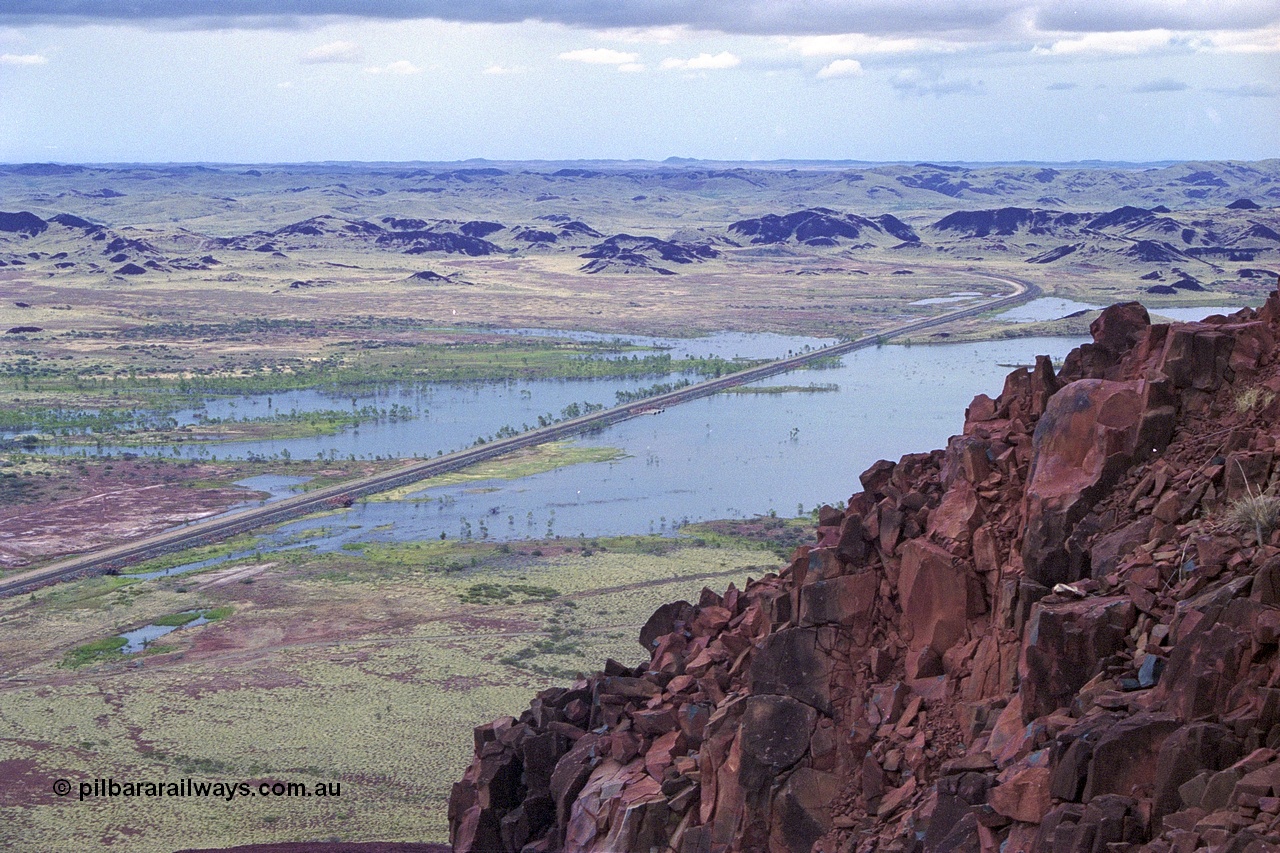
[(343, 494)]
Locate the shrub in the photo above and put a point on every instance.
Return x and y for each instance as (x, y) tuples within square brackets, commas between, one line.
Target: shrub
[(1260, 512), (1253, 398)]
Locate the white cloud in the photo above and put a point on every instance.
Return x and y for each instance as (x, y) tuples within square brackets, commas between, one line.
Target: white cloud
[(600, 56), (334, 51), (496, 68), (703, 62), (22, 59), (647, 35), (666, 20), (1140, 41), (847, 43), (1250, 41), (841, 68), (400, 66)]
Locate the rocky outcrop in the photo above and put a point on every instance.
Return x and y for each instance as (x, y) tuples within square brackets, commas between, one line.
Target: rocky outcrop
[(821, 226), (1060, 633)]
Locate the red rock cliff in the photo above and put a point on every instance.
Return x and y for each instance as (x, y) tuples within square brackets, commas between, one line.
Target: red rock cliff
[(1058, 634)]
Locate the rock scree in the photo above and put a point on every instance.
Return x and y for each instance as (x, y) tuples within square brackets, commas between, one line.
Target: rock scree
[(1059, 633)]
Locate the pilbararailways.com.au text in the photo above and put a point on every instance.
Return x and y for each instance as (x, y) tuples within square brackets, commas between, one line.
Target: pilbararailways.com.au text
[(228, 791)]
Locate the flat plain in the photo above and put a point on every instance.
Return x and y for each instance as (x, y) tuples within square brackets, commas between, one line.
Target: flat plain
[(131, 291)]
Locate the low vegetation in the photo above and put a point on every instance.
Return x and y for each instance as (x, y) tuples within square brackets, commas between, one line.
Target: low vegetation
[(1253, 397), (1257, 513), (373, 657)]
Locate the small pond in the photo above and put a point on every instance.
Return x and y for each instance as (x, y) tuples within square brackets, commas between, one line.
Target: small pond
[(138, 639)]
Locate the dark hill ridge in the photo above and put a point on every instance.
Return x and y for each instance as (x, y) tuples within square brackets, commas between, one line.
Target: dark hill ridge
[(1155, 252), (22, 222), (421, 242), (1120, 216), (1060, 634), (326, 225), (1258, 231), (624, 250), (1007, 221), (70, 221), (820, 226), (570, 230), (1055, 254)]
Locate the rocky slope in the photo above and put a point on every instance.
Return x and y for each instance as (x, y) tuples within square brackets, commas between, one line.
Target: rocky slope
[(1057, 634)]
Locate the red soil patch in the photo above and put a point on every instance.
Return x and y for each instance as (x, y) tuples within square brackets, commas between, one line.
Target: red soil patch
[(99, 504)]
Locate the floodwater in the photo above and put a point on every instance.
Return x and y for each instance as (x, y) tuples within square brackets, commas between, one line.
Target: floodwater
[(434, 418), (720, 344), (956, 296), (1190, 315), (730, 455), (1043, 309), (139, 638), (725, 456), (1052, 308)]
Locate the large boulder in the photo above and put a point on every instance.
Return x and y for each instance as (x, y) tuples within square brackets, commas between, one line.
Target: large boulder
[(793, 663), (1090, 434), (939, 597), (774, 735), (1066, 642)]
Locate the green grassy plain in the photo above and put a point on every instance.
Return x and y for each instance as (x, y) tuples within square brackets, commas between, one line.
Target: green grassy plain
[(368, 669)]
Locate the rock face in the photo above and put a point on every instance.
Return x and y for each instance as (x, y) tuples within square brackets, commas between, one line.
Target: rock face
[(1061, 633)]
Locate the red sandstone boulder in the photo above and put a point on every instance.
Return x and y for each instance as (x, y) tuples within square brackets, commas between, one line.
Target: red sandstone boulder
[(1091, 432), (938, 598), (1066, 643), (795, 663), (1024, 796)]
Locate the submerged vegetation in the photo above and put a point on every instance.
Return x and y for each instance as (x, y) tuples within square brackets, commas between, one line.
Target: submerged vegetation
[(136, 405)]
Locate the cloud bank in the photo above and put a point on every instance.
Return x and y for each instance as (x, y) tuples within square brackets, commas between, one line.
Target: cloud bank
[(22, 59), (703, 62), (756, 17)]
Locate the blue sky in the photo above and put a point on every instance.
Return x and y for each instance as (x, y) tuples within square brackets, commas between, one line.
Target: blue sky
[(256, 81)]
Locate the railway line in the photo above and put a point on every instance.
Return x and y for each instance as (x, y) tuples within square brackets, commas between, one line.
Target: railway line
[(343, 494)]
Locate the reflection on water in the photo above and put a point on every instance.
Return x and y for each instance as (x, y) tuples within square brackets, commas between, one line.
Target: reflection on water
[(729, 455), (1043, 309), (140, 638), (957, 296), (1189, 315)]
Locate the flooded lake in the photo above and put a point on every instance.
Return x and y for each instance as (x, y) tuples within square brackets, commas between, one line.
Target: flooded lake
[(1189, 315), (434, 418), (725, 456), (1051, 308), (1043, 309), (729, 455)]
